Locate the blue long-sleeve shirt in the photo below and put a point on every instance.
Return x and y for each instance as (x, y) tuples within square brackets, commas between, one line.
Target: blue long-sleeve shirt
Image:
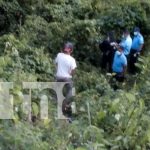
[(138, 40), (126, 44)]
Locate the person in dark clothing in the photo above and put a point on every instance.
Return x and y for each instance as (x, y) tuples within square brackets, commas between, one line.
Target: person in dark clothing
[(108, 51)]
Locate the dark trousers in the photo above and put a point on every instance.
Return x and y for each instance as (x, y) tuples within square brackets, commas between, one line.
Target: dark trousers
[(127, 56), (132, 60), (119, 77), (106, 61), (66, 108)]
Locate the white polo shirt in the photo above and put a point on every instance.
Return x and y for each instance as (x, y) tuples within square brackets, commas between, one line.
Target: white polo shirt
[(65, 65)]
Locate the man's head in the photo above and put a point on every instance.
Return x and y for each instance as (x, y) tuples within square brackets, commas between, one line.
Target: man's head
[(68, 48), (119, 50), (136, 30), (110, 36), (126, 32)]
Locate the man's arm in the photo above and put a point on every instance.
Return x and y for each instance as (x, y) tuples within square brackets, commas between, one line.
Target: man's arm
[(141, 42), (72, 72), (140, 47), (73, 67)]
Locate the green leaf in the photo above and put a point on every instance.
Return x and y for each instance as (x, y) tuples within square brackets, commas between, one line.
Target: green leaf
[(35, 109)]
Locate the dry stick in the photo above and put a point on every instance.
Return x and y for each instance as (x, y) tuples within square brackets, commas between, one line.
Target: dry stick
[(89, 115)]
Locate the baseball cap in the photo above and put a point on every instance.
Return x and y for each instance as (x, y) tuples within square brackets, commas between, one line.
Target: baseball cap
[(136, 29)]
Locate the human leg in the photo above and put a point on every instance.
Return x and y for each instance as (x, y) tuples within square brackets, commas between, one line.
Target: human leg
[(66, 106)]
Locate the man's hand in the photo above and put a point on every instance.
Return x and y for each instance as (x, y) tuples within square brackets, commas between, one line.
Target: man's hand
[(72, 72)]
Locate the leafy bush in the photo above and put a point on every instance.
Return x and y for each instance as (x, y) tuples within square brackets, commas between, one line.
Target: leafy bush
[(12, 16), (32, 33), (124, 16), (21, 137)]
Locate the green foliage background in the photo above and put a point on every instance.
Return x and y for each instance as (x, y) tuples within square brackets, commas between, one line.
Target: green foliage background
[(32, 32)]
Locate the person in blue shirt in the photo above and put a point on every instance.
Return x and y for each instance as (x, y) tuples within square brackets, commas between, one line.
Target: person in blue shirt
[(126, 43), (119, 64), (137, 45)]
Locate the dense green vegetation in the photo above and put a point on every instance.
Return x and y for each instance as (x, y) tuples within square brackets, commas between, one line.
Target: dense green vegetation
[(32, 32)]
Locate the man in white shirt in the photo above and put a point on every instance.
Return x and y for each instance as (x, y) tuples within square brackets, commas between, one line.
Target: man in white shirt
[(66, 66)]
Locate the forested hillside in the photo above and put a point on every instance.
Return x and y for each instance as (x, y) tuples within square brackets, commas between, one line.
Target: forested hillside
[(32, 32)]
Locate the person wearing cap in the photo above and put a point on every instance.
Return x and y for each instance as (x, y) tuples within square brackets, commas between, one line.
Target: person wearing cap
[(137, 45), (66, 65), (119, 64), (108, 50), (126, 43)]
